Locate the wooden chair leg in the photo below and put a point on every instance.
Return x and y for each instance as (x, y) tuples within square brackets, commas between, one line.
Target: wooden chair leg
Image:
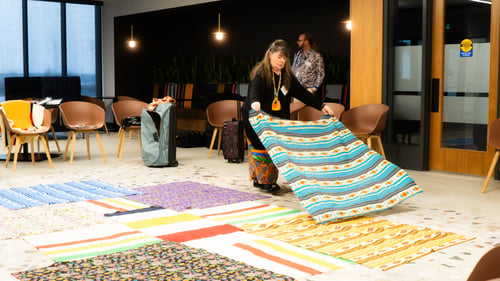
[(73, 140), (379, 145), (70, 133), (106, 128), (121, 144), (220, 141), (9, 153), (55, 138), (47, 151), (100, 146), (16, 152), (32, 146), (214, 135), (87, 136), (491, 170)]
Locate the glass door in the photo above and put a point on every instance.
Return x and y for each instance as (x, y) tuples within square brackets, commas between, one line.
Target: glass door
[(461, 86)]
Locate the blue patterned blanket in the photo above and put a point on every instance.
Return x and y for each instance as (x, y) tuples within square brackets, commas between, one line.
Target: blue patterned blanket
[(333, 174)]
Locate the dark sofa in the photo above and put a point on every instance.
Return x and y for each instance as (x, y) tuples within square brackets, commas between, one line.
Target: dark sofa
[(67, 88)]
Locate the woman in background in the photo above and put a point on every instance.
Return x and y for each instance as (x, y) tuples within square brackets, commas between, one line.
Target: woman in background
[(272, 88)]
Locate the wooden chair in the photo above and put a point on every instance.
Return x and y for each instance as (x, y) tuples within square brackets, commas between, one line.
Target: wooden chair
[(367, 122), (217, 113), (121, 110), (82, 117), (25, 125), (493, 140), (100, 103), (310, 113)]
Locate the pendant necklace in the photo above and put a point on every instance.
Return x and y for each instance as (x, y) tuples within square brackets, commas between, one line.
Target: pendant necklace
[(276, 105)]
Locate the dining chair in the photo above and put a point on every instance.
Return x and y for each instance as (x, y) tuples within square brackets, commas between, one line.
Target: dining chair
[(310, 113), (367, 122), (82, 117), (99, 102), (217, 113), (121, 110), (493, 140), (25, 123)]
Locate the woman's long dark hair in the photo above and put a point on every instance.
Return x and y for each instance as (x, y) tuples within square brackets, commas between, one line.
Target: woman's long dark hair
[(264, 69)]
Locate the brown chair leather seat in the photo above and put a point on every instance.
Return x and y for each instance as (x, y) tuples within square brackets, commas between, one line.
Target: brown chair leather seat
[(310, 113), (493, 141), (367, 122), (82, 117), (121, 110), (217, 113)]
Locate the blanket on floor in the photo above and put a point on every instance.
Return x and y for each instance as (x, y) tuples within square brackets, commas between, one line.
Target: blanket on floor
[(45, 194), (333, 174), (159, 261)]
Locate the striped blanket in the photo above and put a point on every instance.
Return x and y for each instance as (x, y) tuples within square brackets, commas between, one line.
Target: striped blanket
[(333, 174)]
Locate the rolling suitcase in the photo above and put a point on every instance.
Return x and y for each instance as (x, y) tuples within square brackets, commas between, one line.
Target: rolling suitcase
[(158, 131), (233, 146)]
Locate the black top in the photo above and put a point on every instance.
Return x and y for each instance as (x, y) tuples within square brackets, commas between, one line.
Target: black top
[(259, 91)]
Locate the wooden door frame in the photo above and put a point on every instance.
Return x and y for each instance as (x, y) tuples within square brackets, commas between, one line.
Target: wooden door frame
[(456, 160)]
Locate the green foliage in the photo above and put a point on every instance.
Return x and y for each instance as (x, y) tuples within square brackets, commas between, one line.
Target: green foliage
[(236, 69)]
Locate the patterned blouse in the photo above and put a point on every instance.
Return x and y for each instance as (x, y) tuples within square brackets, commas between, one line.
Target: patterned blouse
[(309, 68)]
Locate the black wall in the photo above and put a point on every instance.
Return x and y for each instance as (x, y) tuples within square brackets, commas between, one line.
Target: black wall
[(251, 26)]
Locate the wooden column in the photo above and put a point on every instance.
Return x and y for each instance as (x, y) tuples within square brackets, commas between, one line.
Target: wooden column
[(366, 51)]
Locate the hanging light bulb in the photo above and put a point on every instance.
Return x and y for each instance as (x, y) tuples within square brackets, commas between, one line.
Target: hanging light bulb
[(132, 43), (348, 24), (219, 35)]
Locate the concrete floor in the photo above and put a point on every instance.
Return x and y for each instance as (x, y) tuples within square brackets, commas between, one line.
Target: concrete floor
[(450, 202)]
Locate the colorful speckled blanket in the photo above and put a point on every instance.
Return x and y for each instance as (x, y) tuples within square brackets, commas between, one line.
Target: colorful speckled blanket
[(333, 174)]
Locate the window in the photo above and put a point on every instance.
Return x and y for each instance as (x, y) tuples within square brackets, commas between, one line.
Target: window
[(11, 45), (45, 50), (81, 45), (44, 38)]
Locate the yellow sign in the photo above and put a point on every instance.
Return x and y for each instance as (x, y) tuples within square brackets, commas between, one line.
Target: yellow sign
[(466, 48)]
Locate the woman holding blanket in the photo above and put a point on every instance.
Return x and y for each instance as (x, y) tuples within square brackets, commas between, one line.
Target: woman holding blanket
[(272, 88)]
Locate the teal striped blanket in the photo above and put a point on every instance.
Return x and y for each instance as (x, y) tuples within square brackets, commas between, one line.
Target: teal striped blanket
[(333, 174)]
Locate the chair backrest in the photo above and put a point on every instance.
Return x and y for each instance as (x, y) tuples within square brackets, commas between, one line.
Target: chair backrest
[(19, 115), (80, 113), (126, 108), (494, 134), (93, 100), (366, 119), (309, 113), (120, 98), (220, 111), (487, 267)]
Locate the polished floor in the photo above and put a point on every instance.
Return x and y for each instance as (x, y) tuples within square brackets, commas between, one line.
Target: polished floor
[(450, 202)]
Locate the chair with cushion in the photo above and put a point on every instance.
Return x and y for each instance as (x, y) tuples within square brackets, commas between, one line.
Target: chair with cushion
[(493, 140), (217, 113), (367, 122), (82, 117), (309, 113), (25, 123), (121, 110)]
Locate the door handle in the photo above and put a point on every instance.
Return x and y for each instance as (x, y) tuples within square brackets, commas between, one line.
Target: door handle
[(435, 95)]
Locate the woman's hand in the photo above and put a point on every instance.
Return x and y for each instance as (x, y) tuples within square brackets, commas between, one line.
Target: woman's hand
[(255, 106), (327, 110)]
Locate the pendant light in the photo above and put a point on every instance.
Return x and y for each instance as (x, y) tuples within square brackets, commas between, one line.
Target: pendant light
[(132, 43), (219, 35)]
